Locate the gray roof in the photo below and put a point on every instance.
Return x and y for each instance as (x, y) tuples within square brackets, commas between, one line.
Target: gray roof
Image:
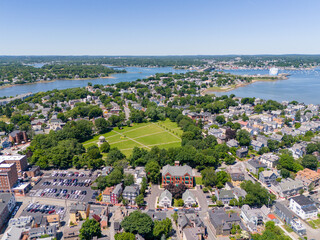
[(117, 189), (188, 194), (284, 210), (302, 200), (289, 184), (164, 194), (177, 170), (225, 194), (257, 164), (4, 199), (131, 189)]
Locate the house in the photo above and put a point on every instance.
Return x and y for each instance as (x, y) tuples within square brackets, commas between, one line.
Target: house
[(72, 233), (256, 145), (79, 211), (287, 187), (189, 219), (130, 193), (165, 199), (298, 150), (7, 204), (254, 216), (242, 152), (53, 219), (303, 207), (269, 176), (188, 198), (236, 172), (270, 159), (177, 175), (193, 233), (49, 231), (155, 215), (106, 171), (224, 195), (289, 218), (18, 137), (115, 194), (232, 143), (308, 177), (139, 174), (222, 221), (254, 166), (106, 195)]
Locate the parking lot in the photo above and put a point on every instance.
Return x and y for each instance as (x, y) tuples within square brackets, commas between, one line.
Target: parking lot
[(36, 209), (66, 185)]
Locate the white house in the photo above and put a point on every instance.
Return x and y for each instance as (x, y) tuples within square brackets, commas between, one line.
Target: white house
[(188, 198), (165, 199), (303, 207)]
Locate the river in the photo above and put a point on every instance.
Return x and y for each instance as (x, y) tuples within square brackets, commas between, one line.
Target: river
[(302, 86), (133, 73)]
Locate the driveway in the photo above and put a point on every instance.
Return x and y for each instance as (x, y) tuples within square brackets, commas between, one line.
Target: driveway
[(152, 197)]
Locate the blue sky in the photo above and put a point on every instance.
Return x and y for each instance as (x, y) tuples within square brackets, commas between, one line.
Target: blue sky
[(159, 27)]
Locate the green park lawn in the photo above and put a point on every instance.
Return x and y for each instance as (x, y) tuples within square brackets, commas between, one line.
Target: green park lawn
[(315, 223), (164, 134)]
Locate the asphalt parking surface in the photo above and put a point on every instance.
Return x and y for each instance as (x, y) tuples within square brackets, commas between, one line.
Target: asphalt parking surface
[(63, 185), (36, 209)]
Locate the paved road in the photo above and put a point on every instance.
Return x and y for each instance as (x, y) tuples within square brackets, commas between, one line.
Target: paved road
[(151, 198), (126, 112)]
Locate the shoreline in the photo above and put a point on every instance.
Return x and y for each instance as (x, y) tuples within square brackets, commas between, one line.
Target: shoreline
[(44, 81), (233, 87)]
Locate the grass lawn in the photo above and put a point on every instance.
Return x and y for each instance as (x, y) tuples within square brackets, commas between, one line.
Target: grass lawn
[(198, 180), (315, 223), (286, 227), (164, 134)]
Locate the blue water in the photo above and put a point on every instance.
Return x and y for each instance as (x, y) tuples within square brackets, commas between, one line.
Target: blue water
[(302, 86), (133, 73)]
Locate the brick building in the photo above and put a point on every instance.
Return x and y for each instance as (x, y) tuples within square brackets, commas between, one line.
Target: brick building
[(18, 136), (8, 176), (20, 161), (177, 175), (115, 194)]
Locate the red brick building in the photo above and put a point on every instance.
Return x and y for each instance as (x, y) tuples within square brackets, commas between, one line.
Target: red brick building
[(177, 175), (20, 161), (18, 136), (8, 176)]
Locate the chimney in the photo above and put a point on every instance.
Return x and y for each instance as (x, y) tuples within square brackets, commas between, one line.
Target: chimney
[(176, 163)]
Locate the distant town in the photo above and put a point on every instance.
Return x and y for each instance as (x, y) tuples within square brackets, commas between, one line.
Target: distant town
[(160, 158)]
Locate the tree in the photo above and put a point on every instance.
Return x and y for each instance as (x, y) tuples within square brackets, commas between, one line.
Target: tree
[(256, 194), (90, 228), (102, 125), (105, 147), (124, 236), (143, 186), (211, 178), (93, 152), (310, 161), (138, 223), (220, 119), (153, 171), (128, 179), (273, 145), (161, 228), (214, 198), (140, 200), (179, 203), (114, 155), (286, 161), (243, 138), (176, 191)]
